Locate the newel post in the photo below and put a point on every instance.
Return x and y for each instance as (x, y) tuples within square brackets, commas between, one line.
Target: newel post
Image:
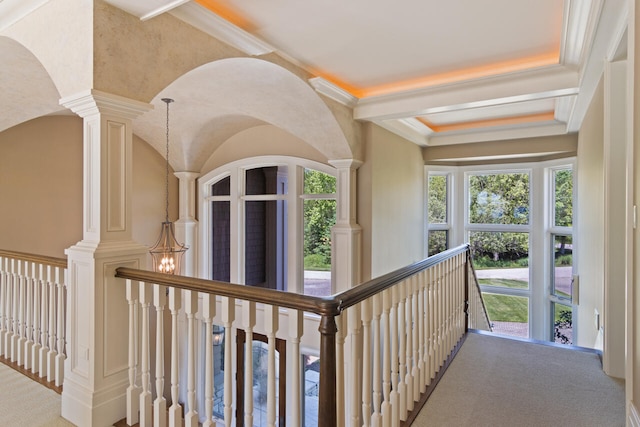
[(327, 414)]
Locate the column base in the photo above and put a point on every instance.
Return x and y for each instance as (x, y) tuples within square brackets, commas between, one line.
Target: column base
[(101, 408)]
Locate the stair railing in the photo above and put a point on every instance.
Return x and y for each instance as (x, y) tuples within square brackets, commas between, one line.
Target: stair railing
[(381, 344), (33, 313)]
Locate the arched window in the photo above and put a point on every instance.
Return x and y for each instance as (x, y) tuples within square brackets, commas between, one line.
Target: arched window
[(267, 222)]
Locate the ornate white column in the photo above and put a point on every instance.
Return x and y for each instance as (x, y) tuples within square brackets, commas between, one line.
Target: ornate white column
[(96, 366), (186, 226), (346, 235)]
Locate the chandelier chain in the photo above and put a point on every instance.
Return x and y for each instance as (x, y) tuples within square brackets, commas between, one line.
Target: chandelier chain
[(166, 188)]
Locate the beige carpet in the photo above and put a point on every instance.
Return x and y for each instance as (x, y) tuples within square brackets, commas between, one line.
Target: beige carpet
[(26, 403), (500, 382)]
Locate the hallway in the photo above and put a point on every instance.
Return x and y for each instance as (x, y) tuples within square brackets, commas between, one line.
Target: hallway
[(497, 382)]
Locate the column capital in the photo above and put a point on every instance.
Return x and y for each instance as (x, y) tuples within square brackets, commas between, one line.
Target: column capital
[(93, 102)]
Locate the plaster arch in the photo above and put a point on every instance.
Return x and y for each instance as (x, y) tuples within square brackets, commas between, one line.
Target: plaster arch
[(221, 98)]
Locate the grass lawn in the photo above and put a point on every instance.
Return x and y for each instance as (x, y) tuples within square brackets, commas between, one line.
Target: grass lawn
[(506, 308), (504, 283)]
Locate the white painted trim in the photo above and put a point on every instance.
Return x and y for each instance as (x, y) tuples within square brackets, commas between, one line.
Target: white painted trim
[(163, 9), (91, 102), (328, 89), (410, 129), (539, 83), (634, 416), (516, 132), (207, 21)]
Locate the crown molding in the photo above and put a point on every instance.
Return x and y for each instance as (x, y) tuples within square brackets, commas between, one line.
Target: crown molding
[(515, 132), (328, 89), (410, 129), (545, 82), (579, 26), (564, 107), (11, 11), (207, 21), (163, 9), (92, 102)]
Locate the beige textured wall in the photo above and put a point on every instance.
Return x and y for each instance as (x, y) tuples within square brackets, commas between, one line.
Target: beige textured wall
[(390, 202), (41, 187), (590, 220)]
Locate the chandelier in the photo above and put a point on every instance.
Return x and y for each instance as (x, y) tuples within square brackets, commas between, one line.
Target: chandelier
[(167, 252)]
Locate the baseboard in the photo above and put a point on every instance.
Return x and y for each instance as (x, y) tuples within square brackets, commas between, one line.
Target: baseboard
[(634, 416)]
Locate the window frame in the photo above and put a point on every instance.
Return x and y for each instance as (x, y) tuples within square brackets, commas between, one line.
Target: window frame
[(295, 204)]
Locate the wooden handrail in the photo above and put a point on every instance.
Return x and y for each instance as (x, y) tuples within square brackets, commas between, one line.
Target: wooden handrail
[(41, 259), (325, 306), (319, 305)]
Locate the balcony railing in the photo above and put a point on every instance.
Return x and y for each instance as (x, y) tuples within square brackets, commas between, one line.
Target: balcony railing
[(382, 344), (32, 313)]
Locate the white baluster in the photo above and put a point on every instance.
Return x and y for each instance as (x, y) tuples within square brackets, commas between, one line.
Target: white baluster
[(394, 335), (191, 308), (28, 328), (415, 346), (402, 335), (431, 311), (271, 317), (422, 337), (51, 355), (208, 312), (366, 307), (387, 302), (44, 316), (293, 367), (146, 296), (37, 302), (409, 327), (60, 354), (133, 391), (3, 296), (376, 417), (248, 322), (21, 314), (160, 403), (175, 411), (228, 317), (353, 325), (341, 324)]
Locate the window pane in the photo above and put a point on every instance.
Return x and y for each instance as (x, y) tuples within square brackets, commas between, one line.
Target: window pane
[(311, 389), (266, 180), (499, 198), (563, 265), (319, 218), (509, 315), (501, 259), (222, 187), (562, 324), (437, 199), (438, 241), (221, 241), (563, 189), (265, 244), (316, 182)]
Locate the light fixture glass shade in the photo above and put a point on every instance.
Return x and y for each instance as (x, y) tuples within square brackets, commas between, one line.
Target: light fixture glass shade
[(167, 252)]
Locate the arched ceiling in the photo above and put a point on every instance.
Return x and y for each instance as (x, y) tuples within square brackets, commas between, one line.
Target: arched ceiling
[(435, 72), (219, 99)]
